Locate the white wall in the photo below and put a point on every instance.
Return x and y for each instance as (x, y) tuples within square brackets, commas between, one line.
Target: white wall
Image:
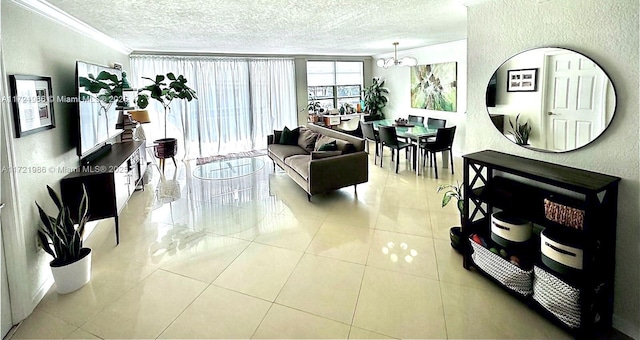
[(607, 32), (34, 45), (398, 81)]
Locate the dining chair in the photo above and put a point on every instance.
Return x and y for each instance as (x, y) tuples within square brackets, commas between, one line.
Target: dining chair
[(415, 119), (369, 133), (389, 138), (443, 142), (435, 123)]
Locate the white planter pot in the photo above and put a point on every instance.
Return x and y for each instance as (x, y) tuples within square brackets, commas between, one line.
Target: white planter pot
[(73, 276)]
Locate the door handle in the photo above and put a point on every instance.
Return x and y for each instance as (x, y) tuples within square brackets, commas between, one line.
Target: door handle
[(551, 114), (1, 205)]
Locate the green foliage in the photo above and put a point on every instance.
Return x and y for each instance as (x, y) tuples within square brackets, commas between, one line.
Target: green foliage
[(105, 87), (375, 97), (452, 191), (58, 235), (165, 94), (520, 131), (314, 106)]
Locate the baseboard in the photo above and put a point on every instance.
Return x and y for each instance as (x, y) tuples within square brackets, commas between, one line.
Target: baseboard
[(41, 292), (626, 327)]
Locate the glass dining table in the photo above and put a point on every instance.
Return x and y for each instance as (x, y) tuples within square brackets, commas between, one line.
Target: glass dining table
[(414, 134)]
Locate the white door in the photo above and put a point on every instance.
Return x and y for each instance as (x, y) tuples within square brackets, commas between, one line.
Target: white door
[(574, 101)]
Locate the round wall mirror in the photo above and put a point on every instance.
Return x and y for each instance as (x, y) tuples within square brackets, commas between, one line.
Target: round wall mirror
[(550, 99)]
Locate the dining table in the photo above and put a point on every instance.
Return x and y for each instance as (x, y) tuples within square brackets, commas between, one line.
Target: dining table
[(414, 132)]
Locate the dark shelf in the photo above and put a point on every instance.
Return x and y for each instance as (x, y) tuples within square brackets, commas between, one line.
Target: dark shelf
[(578, 180), (520, 186)]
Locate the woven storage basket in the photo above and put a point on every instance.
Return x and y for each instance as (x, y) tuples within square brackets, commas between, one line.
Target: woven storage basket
[(559, 298), (510, 275), (563, 214)]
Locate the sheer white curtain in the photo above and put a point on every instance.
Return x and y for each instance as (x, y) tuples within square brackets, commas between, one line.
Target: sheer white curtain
[(240, 101)]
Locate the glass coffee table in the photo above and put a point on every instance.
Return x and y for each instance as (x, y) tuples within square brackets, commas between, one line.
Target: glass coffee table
[(228, 168)]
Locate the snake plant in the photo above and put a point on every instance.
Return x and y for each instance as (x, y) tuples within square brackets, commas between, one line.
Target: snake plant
[(520, 131), (58, 235)]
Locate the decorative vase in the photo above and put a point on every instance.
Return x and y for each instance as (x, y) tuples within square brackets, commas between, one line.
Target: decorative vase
[(72, 276)]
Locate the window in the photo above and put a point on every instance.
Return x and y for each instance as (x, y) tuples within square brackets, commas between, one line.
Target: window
[(334, 83)]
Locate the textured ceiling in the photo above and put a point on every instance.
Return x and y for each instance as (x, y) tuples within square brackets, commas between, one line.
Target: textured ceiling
[(319, 27)]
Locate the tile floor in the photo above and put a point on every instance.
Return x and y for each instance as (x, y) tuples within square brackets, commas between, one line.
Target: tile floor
[(250, 257)]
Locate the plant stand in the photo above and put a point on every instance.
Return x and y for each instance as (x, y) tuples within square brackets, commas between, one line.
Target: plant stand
[(166, 148)]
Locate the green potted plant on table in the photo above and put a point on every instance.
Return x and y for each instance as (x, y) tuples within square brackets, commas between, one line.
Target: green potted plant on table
[(454, 192), (375, 97), (60, 238), (521, 132), (165, 94)]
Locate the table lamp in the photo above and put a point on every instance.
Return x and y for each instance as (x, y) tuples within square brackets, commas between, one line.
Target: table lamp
[(142, 117)]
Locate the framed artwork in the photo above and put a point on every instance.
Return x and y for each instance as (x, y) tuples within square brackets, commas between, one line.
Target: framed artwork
[(524, 80), (434, 87), (32, 102)]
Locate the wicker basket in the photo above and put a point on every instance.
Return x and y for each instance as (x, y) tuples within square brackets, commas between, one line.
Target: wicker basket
[(563, 214), (556, 296), (510, 275)]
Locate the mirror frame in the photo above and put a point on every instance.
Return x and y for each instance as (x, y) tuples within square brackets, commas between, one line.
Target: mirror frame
[(498, 118)]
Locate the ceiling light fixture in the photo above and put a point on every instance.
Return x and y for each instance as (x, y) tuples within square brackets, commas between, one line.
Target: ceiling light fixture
[(406, 61)]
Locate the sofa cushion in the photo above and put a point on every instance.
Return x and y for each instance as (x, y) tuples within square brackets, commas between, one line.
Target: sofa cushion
[(283, 151), (299, 163), (321, 140), (307, 139), (325, 154), (277, 134), (345, 146), (289, 137), (331, 146)]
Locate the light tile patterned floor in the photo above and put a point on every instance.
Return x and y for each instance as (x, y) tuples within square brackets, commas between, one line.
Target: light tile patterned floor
[(250, 257)]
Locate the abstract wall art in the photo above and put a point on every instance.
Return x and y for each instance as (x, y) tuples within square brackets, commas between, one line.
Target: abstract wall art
[(434, 87)]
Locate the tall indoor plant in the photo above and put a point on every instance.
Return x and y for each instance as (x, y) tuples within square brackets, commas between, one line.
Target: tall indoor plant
[(165, 94), (60, 238), (375, 97)]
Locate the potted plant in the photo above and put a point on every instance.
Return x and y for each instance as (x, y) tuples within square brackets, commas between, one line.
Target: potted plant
[(165, 94), (520, 131), (454, 192), (60, 238), (375, 97)]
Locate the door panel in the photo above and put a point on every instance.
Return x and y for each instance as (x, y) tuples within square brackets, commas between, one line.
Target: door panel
[(574, 101)]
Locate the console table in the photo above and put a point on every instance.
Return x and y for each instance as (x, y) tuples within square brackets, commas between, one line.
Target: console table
[(494, 181), (110, 180)]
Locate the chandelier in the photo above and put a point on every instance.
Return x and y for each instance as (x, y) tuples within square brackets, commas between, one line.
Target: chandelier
[(406, 61)]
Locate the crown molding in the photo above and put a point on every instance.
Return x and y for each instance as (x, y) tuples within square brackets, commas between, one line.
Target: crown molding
[(52, 12)]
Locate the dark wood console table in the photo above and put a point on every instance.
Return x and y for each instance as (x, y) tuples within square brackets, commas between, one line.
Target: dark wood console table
[(494, 181), (109, 179)]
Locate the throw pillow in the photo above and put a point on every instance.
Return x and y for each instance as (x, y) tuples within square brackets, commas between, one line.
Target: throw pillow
[(325, 154), (329, 147), (277, 134), (322, 139), (346, 147), (307, 139), (289, 137)]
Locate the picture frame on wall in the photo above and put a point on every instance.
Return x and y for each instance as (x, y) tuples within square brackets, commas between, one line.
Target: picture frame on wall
[(523, 80), (32, 101)]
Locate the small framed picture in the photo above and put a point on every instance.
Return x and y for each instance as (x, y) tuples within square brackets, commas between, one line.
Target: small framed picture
[(32, 102), (524, 80)]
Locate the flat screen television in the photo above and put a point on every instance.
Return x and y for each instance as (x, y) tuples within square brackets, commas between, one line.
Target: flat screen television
[(96, 120)]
